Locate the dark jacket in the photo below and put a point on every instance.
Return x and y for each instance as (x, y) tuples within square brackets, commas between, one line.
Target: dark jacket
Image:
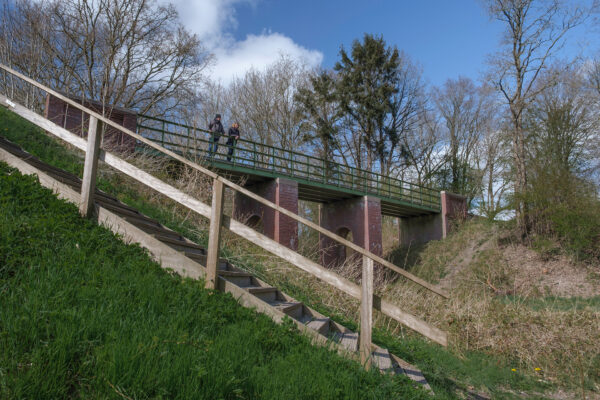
[(233, 133), (216, 128)]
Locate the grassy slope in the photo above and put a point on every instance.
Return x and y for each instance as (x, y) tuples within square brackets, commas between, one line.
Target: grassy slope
[(84, 315), (447, 373)]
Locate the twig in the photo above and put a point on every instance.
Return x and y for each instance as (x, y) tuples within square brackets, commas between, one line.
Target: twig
[(118, 391)]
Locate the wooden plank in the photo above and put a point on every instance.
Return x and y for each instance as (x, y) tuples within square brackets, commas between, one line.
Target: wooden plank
[(63, 191), (90, 168), (232, 185), (214, 234), (366, 312), (244, 231)]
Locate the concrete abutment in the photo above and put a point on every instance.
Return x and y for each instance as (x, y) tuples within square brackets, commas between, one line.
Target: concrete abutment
[(423, 229)]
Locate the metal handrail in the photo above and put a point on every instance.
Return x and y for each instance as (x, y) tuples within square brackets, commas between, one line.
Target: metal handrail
[(259, 156)]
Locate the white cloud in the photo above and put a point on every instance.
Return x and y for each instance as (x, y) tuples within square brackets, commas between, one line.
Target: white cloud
[(259, 51), (214, 20)]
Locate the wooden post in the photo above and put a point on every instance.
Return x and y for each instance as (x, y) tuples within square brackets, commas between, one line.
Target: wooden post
[(366, 312), (214, 235), (88, 184)]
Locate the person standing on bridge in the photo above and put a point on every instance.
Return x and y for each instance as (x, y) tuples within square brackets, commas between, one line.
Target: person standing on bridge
[(216, 128), (233, 135)]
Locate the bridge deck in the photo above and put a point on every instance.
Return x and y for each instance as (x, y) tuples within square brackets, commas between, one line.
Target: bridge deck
[(318, 180)]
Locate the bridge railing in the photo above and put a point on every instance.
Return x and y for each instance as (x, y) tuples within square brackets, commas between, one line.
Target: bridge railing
[(193, 142), (214, 213)]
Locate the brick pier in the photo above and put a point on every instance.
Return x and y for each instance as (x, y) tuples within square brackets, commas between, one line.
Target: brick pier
[(359, 216), (284, 193)]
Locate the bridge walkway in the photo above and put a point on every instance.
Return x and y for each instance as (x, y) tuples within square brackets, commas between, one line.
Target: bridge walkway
[(318, 180)]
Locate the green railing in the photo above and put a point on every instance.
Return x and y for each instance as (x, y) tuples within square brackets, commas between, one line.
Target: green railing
[(193, 142)]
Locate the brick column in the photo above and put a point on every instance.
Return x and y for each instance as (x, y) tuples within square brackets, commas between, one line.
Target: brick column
[(361, 216), (284, 193)]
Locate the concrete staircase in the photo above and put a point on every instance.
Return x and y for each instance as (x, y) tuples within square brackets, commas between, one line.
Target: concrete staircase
[(255, 292)]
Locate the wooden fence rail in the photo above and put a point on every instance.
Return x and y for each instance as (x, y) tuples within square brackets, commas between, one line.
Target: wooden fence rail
[(217, 220)]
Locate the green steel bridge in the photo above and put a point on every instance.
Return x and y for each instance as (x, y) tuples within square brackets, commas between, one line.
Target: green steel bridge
[(318, 180)]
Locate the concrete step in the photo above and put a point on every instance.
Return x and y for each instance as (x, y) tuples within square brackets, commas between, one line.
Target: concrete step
[(123, 212), (103, 198), (201, 259), (291, 308), (350, 341), (402, 367), (320, 325), (181, 245), (382, 359), (265, 293), (152, 228), (179, 242), (241, 279)]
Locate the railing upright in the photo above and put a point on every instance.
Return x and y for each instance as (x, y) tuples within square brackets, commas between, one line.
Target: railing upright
[(88, 184), (214, 235), (366, 312)]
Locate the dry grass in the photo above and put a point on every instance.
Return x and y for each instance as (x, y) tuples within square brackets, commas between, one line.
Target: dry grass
[(490, 309)]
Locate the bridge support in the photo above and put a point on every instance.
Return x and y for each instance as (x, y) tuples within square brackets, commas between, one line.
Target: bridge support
[(284, 193), (423, 229), (360, 217)]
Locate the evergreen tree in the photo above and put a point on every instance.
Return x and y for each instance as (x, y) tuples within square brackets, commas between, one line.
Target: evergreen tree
[(368, 80)]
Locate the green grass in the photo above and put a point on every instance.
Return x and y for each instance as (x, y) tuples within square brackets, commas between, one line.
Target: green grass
[(82, 315), (555, 303), (447, 373)]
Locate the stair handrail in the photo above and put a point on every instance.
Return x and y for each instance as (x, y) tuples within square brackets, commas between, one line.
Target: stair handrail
[(234, 186), (365, 293)]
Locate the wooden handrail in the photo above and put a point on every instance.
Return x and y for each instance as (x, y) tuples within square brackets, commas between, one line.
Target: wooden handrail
[(234, 186), (236, 227)]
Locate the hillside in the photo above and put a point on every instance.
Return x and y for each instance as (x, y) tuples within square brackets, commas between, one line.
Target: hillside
[(86, 316), (499, 335), (531, 304)]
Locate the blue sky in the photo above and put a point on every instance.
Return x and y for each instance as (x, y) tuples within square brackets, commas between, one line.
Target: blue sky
[(446, 38)]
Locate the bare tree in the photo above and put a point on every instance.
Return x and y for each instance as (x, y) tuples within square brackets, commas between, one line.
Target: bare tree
[(464, 109), (264, 103), (563, 123), (23, 47), (534, 31), (130, 53), (423, 154), (492, 159)]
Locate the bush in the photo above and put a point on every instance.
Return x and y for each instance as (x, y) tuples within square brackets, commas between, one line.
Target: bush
[(566, 207)]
